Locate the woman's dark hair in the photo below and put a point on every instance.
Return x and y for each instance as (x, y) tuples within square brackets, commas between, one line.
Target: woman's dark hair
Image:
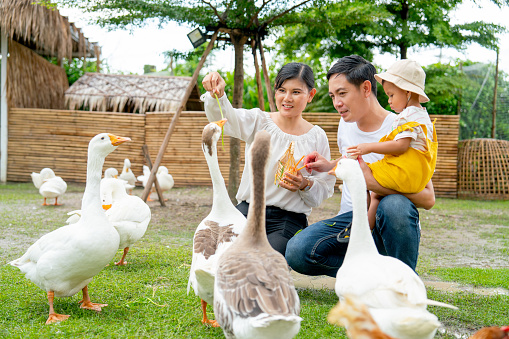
[(356, 70), (295, 70)]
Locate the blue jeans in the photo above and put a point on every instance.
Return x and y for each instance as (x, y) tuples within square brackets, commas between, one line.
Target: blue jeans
[(316, 251)]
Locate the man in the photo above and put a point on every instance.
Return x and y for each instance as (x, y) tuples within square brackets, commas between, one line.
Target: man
[(320, 248)]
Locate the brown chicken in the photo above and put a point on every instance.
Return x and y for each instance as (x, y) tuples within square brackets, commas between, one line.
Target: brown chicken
[(492, 332), (354, 315)]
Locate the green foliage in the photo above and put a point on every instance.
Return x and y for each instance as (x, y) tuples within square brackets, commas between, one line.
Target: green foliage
[(359, 27), (74, 68)]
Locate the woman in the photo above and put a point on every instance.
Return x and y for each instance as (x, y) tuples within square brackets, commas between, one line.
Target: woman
[(289, 201)]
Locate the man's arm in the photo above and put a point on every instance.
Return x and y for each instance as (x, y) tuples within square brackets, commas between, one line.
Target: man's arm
[(423, 199)]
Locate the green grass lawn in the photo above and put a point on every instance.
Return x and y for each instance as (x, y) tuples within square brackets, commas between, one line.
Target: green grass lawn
[(148, 297)]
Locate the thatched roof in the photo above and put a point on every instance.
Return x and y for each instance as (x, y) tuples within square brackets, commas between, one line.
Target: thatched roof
[(130, 93), (42, 29), (33, 82)]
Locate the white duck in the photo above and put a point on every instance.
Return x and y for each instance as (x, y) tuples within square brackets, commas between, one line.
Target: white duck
[(128, 175), (217, 231), (254, 294), (49, 185), (65, 260), (144, 179), (392, 291), (164, 178), (112, 173), (129, 214)]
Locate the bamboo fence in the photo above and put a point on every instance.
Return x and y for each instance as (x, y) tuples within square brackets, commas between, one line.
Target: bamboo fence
[(59, 139)]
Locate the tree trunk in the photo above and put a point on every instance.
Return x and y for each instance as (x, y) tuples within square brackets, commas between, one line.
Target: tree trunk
[(238, 40), (403, 45), (494, 111)]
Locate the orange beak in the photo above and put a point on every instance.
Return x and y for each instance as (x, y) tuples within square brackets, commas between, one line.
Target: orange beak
[(333, 171), (116, 140), (221, 123), (106, 207)]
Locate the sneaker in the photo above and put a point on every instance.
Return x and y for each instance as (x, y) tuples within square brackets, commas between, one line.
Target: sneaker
[(344, 235)]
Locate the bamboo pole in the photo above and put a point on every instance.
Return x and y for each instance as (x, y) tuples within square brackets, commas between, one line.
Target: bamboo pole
[(156, 183), (494, 111), (270, 94), (173, 123)]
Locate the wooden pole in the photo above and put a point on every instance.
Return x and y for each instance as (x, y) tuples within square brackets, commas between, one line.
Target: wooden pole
[(167, 137), (494, 112), (270, 94), (156, 183), (261, 101), (4, 51)]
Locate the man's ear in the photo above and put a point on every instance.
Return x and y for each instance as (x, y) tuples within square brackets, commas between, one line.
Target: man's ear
[(366, 88)]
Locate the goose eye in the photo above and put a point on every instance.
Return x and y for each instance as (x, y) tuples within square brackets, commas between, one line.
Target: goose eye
[(102, 138)]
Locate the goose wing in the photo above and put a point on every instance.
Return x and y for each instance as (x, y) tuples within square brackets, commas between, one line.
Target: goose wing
[(257, 283)]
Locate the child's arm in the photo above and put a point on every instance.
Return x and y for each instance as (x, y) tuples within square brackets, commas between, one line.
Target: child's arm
[(395, 147)]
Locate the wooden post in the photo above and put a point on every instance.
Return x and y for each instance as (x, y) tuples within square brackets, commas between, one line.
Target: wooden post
[(3, 108), (494, 111), (97, 51), (167, 137), (270, 94), (156, 183), (261, 101)]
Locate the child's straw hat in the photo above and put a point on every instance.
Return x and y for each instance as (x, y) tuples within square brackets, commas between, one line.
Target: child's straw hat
[(407, 75)]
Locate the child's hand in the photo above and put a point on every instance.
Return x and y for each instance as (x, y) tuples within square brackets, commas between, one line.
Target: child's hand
[(358, 150)]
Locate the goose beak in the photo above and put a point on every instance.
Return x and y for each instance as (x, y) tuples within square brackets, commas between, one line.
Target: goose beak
[(106, 207), (221, 123), (116, 140), (333, 171)]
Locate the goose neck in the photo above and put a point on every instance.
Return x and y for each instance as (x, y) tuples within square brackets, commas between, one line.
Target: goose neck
[(91, 202), (361, 240), (221, 199)]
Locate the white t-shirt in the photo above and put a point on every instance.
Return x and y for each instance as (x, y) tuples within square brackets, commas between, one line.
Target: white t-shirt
[(419, 115), (350, 135), (243, 124)]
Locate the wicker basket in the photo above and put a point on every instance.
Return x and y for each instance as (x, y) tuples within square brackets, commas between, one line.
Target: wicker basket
[(483, 169)]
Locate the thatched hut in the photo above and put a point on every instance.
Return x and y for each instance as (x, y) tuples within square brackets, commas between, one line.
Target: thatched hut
[(28, 33), (131, 93)]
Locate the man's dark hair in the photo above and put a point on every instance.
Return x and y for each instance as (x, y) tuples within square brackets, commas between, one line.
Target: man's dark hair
[(295, 70), (356, 70)]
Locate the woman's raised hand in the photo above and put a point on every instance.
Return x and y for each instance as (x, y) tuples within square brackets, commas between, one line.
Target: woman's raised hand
[(214, 83)]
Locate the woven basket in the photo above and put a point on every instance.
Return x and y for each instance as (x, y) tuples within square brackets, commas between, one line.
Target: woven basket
[(483, 169)]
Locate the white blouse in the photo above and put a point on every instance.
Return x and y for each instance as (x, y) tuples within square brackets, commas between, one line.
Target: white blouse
[(243, 124)]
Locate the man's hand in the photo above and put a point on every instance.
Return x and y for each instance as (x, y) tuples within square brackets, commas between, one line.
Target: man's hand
[(214, 83)]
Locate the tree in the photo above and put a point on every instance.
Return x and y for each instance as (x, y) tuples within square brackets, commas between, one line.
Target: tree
[(390, 26), (238, 21)]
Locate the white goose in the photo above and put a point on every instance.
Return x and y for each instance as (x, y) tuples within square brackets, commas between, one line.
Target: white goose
[(254, 294), (129, 214), (49, 185), (217, 231), (128, 175), (65, 260), (392, 291)]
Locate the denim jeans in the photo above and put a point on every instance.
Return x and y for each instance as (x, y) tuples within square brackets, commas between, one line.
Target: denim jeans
[(316, 251)]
